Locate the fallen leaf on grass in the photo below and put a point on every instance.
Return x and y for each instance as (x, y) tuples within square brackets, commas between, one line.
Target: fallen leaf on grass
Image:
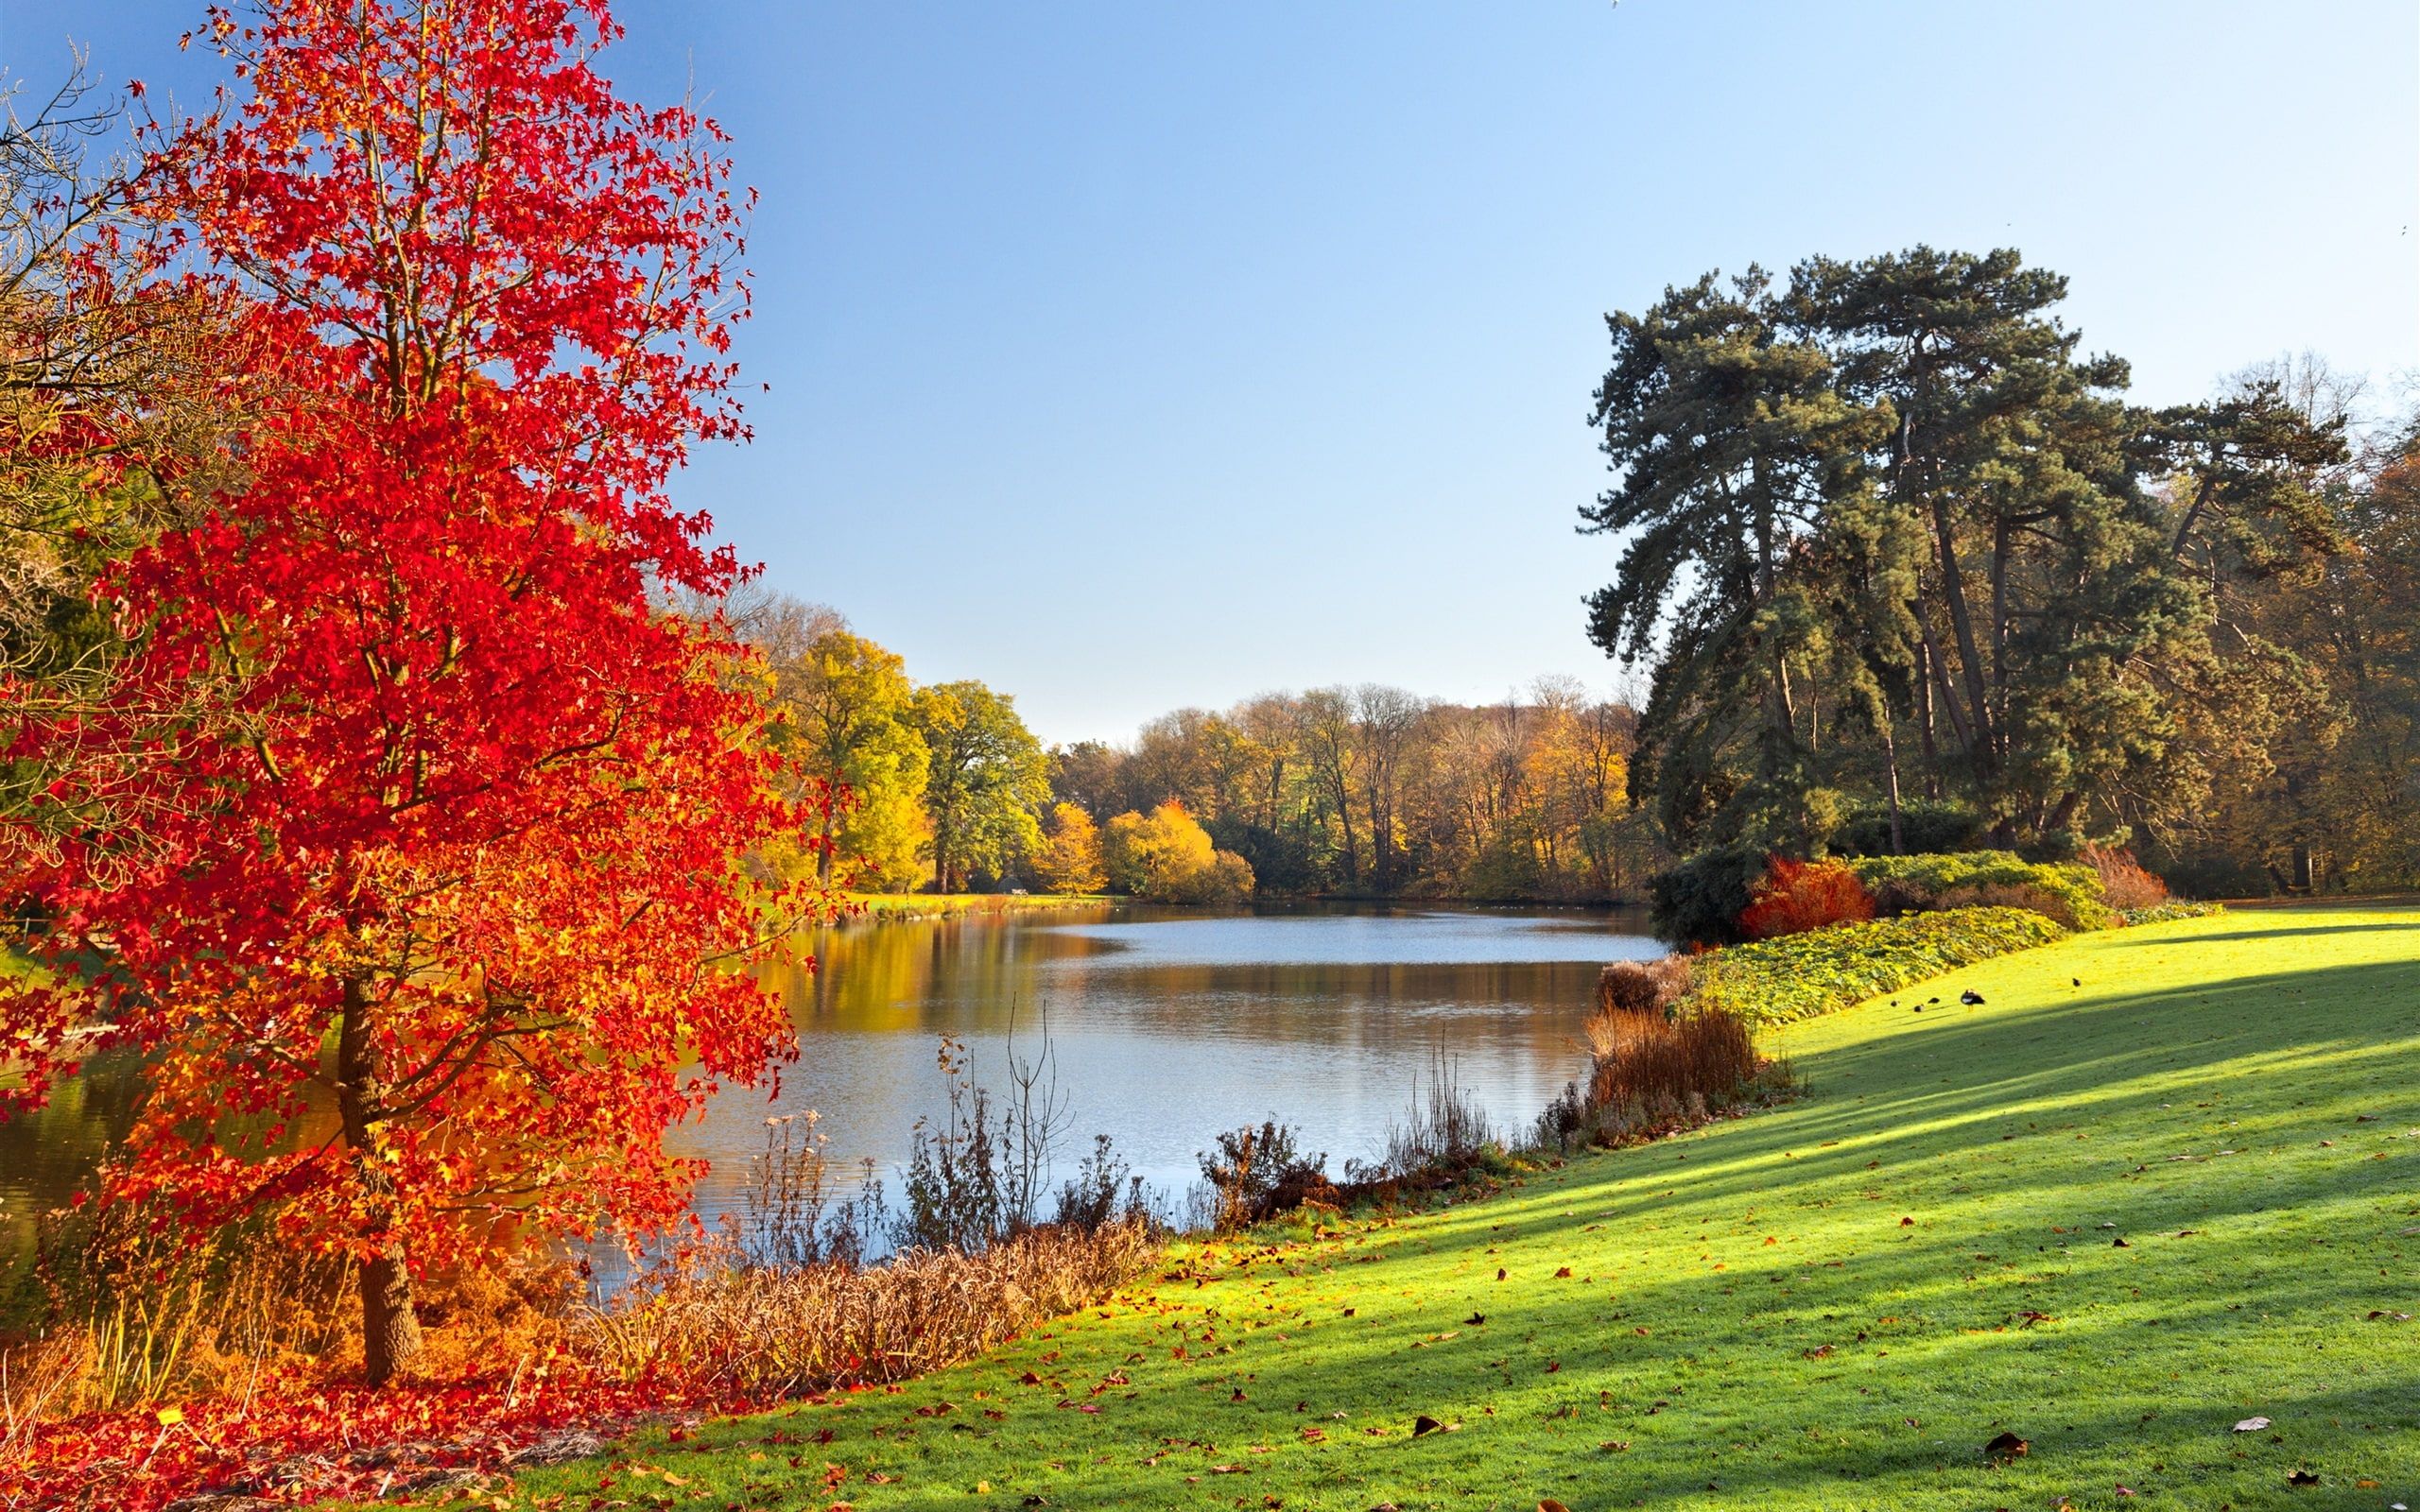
[(1615, 1446), (1547, 1503), (2301, 1477), (2252, 1425), (2007, 1445), (1425, 1424)]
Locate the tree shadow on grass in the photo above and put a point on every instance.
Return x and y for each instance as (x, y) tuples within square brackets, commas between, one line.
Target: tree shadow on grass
[(2073, 1068), (1786, 1374), (2281, 933)]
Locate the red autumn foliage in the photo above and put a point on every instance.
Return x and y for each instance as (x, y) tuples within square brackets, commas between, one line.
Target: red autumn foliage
[(1796, 896), (431, 929), (298, 1438), (2125, 882)]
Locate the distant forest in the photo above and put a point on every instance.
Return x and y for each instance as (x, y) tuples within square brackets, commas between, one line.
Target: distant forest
[(1901, 569)]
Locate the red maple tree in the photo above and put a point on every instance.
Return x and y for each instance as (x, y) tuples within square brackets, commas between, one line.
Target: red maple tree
[(433, 928)]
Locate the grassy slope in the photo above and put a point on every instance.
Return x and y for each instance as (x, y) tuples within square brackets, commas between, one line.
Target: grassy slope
[(1711, 1272)]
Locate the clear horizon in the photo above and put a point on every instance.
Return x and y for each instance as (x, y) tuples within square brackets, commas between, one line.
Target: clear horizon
[(1133, 360)]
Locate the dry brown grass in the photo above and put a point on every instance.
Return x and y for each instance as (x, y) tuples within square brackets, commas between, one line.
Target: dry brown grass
[(1643, 986), (713, 1320), (135, 1316), (1650, 1074)]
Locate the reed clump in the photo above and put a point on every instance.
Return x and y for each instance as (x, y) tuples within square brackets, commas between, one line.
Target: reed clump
[(1643, 986), (1650, 1074), (713, 1320)]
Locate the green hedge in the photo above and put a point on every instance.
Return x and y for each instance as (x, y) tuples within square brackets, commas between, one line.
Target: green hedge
[(1921, 880), (1823, 971), (2162, 913)]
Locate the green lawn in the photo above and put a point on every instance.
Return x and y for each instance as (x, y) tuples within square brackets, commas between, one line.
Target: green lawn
[(1832, 1305)]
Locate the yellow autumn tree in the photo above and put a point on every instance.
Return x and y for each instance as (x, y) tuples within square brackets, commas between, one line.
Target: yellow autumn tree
[(1070, 858), (1167, 856)]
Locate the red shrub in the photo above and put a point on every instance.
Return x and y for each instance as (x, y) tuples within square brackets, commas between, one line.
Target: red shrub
[(2125, 882), (1796, 896)]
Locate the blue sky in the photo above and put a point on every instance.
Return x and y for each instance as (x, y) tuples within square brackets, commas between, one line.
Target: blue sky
[(1134, 356)]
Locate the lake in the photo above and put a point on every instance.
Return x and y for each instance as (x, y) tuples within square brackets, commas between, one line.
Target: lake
[(1165, 1027)]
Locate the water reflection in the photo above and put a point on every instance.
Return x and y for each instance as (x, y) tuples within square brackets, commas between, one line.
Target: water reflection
[(1165, 1027)]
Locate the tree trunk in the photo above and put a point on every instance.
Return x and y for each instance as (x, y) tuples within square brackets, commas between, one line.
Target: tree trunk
[(1923, 722), (1982, 744), (389, 1323), (1890, 778)]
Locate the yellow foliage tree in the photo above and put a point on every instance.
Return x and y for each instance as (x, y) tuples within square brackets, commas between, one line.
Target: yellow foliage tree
[(1167, 857), (1070, 858)]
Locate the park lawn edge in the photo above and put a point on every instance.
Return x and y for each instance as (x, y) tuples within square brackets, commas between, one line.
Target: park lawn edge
[(1832, 1304)]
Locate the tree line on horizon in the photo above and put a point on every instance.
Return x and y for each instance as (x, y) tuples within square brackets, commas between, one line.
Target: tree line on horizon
[(1368, 790)]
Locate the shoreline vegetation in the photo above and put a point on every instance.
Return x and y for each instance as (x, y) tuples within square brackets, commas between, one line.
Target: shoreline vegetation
[(782, 1308), (875, 908), (1572, 1270)]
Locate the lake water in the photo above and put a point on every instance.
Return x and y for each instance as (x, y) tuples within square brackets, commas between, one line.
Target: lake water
[(1165, 1027)]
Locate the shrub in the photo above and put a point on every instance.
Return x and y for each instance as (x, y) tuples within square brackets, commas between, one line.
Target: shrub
[(2059, 909), (794, 1213), (2126, 884), (1800, 976), (1560, 1124), (1446, 1130), (1642, 987), (1258, 1173), (1797, 895), (2070, 892), (1105, 1192), (1700, 902), (2163, 913)]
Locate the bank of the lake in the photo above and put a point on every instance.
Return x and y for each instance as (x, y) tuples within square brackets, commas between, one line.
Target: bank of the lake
[(881, 907), (1164, 1026), (2158, 1184)]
